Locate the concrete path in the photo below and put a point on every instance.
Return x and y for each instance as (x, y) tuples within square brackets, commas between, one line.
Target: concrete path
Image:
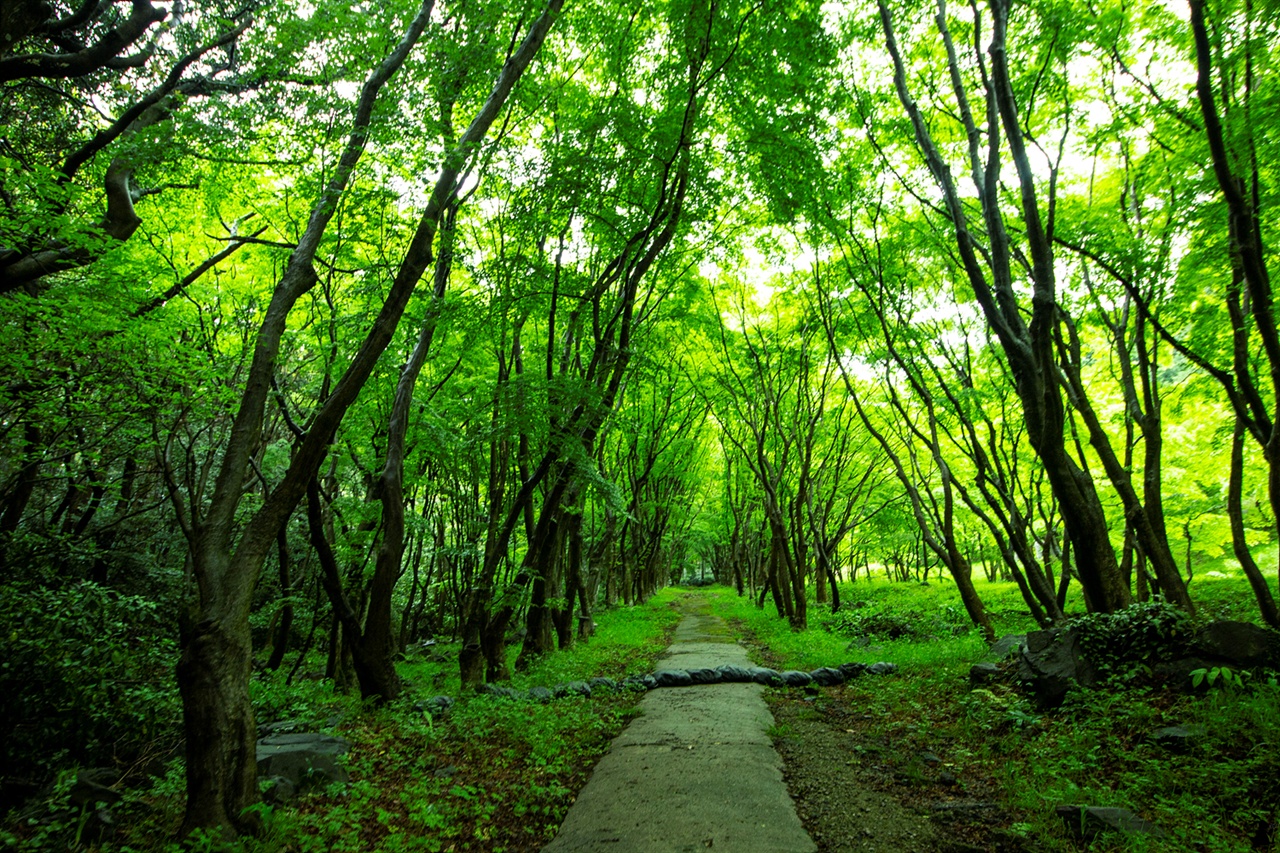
[(695, 771)]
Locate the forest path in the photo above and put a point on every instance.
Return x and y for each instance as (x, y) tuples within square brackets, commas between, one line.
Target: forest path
[(696, 770)]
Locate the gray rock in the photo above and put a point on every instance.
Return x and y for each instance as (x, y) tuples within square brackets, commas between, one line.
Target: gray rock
[(1087, 822), (1178, 738), (882, 668), (1006, 646), (1052, 663), (539, 694), (436, 706), (983, 673), (766, 676), (672, 678), (93, 786), (704, 676), (852, 670), (282, 727), (795, 678), (303, 759), (1240, 643), (279, 790), (827, 676), (730, 674), (600, 684), (579, 688), (498, 690), (1179, 671), (637, 683)]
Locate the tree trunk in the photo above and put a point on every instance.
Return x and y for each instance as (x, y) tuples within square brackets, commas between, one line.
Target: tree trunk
[(1239, 544), (226, 566), (221, 735)]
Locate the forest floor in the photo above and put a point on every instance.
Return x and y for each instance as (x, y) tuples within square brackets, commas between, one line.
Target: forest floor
[(915, 761), (858, 789)]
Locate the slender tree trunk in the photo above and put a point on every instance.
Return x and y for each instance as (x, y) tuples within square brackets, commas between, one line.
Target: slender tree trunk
[(213, 674), (1239, 544), (284, 628)]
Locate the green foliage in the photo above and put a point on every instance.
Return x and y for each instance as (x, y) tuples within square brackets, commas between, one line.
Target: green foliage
[(86, 677), (1147, 631), (1222, 677), (890, 623), (1213, 792)]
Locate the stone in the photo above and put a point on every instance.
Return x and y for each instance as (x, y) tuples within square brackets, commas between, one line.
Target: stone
[(767, 677), (1178, 738), (497, 690), (882, 668), (827, 676), (730, 674), (579, 688), (93, 786), (1052, 663), (1006, 646), (600, 684), (983, 673), (436, 706), (1179, 671), (282, 727), (852, 670), (704, 676), (303, 759), (1087, 822), (1241, 644), (279, 790), (637, 683), (540, 694), (672, 678), (795, 678)]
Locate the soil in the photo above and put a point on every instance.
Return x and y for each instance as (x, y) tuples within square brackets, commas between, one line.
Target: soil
[(856, 791), (860, 788)]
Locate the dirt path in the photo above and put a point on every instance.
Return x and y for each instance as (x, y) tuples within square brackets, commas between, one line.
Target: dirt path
[(695, 771)]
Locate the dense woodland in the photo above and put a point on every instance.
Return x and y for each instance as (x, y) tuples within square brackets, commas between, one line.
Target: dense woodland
[(332, 328)]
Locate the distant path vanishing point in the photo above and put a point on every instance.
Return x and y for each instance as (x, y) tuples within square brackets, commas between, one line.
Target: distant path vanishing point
[(696, 771)]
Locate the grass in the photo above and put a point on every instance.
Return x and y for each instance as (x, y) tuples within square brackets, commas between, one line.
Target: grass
[(494, 775), (1217, 794), (499, 775)]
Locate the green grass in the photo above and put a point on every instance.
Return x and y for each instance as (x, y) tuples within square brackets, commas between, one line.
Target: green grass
[(494, 775), (1096, 749)]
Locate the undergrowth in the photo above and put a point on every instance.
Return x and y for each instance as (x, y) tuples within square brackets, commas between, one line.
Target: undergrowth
[(1213, 790), (493, 775)]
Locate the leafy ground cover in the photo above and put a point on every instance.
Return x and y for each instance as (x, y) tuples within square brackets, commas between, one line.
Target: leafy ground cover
[(978, 769), (493, 775), (988, 767)]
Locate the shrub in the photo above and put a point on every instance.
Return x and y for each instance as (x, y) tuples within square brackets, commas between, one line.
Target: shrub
[(86, 677), (1135, 636)]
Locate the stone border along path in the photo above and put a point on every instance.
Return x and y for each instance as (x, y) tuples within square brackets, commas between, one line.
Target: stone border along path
[(695, 771)]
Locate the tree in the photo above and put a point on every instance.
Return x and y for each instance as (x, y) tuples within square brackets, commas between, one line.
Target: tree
[(214, 670)]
